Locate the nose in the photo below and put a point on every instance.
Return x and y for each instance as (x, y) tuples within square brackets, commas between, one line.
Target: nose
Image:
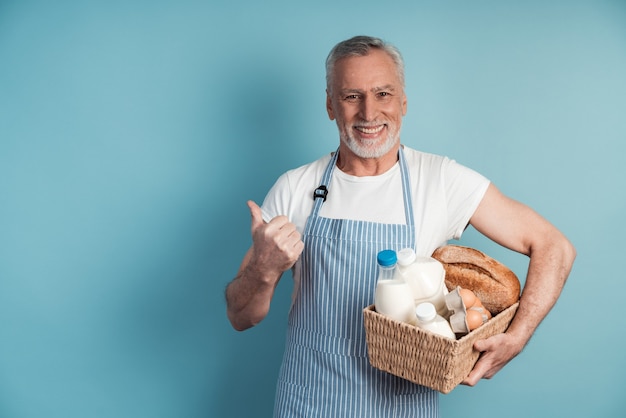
[(369, 108)]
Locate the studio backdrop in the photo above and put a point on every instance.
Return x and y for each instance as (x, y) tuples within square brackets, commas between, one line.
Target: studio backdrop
[(132, 133)]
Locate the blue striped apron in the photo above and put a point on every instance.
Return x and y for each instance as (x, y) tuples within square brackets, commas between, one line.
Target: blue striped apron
[(325, 370)]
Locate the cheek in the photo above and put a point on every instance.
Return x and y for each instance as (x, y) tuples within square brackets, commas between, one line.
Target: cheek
[(343, 114), (397, 110)]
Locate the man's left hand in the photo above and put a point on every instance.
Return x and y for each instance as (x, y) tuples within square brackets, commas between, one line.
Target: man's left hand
[(495, 353)]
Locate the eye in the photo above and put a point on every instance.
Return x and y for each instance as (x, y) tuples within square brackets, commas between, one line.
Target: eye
[(351, 97)]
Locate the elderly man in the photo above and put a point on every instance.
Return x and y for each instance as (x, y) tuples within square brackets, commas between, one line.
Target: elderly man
[(328, 219)]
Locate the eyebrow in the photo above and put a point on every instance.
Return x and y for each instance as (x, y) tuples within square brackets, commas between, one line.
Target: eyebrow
[(387, 87)]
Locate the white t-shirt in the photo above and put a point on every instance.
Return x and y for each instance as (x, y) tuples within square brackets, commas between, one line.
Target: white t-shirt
[(445, 195)]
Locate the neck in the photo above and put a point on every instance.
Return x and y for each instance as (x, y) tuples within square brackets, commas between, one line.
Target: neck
[(350, 163)]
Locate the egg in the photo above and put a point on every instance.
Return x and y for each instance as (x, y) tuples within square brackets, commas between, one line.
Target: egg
[(468, 297), (481, 308), (486, 312), (474, 319)]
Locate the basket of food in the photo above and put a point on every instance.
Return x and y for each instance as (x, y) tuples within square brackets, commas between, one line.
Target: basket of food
[(430, 358)]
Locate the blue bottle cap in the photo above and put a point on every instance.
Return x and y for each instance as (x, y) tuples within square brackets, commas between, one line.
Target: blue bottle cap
[(387, 258)]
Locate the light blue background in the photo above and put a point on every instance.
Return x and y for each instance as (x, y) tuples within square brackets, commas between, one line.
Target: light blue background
[(133, 132)]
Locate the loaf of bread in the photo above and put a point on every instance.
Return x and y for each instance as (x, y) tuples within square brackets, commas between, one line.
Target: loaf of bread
[(494, 284)]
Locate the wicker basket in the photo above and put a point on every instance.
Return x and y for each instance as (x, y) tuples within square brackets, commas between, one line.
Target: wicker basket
[(423, 357)]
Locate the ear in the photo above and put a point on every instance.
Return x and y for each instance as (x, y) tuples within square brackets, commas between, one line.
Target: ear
[(329, 106), (404, 104)]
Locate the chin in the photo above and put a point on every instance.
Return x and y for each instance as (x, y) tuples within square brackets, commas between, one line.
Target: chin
[(372, 150)]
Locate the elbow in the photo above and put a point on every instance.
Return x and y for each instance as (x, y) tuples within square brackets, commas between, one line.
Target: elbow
[(240, 325), (236, 322), (570, 253), (241, 322), (565, 253), (556, 250)]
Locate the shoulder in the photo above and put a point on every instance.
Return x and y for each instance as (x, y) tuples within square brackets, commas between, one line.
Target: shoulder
[(304, 176), (291, 192), (312, 169), (441, 170), (424, 160)]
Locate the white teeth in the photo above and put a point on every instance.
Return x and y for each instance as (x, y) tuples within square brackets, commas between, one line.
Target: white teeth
[(371, 130)]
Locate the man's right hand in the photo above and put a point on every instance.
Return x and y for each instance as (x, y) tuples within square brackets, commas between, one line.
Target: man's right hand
[(277, 244)]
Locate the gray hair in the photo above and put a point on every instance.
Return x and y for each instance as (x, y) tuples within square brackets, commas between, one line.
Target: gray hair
[(360, 46)]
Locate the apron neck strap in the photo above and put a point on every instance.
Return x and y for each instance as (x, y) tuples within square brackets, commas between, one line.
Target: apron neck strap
[(320, 194)]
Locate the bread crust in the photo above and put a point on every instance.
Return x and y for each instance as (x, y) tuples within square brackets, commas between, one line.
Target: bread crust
[(494, 284)]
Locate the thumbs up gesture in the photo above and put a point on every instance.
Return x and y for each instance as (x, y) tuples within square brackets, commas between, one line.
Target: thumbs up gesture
[(276, 244)]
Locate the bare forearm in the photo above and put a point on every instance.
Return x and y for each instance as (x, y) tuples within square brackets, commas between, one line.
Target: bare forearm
[(249, 295), (547, 272), (521, 229), (549, 267)]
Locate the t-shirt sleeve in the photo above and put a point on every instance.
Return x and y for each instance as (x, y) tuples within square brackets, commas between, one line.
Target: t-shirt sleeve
[(292, 193), (276, 201), (465, 188)]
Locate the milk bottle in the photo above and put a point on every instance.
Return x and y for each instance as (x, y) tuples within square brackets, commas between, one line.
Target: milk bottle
[(426, 278), (428, 319), (393, 297)]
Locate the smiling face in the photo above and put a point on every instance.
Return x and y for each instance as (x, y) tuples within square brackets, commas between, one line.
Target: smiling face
[(367, 101)]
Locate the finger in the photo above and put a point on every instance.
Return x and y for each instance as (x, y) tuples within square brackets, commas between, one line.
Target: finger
[(296, 243), (299, 247), (475, 375), (481, 345), (288, 235), (478, 371), (256, 215), (287, 228)]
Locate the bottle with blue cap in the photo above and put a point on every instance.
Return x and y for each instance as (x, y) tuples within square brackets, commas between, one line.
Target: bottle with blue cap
[(393, 297), (387, 260)]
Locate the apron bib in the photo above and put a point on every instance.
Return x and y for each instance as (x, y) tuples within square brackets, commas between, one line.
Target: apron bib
[(325, 370)]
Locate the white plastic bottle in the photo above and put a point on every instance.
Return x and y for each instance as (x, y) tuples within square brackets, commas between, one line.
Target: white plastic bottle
[(428, 319), (393, 297), (426, 278)]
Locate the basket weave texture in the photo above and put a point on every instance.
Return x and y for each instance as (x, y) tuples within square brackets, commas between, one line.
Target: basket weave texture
[(423, 357)]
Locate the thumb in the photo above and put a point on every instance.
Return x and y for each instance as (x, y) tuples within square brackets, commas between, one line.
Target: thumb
[(256, 214), (480, 346)]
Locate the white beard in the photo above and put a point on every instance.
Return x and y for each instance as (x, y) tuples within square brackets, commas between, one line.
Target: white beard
[(366, 148)]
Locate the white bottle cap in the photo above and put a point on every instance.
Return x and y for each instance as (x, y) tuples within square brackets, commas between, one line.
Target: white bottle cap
[(425, 312), (406, 256)]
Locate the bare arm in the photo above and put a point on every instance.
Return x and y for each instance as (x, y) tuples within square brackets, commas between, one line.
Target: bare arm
[(521, 229), (276, 246)]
